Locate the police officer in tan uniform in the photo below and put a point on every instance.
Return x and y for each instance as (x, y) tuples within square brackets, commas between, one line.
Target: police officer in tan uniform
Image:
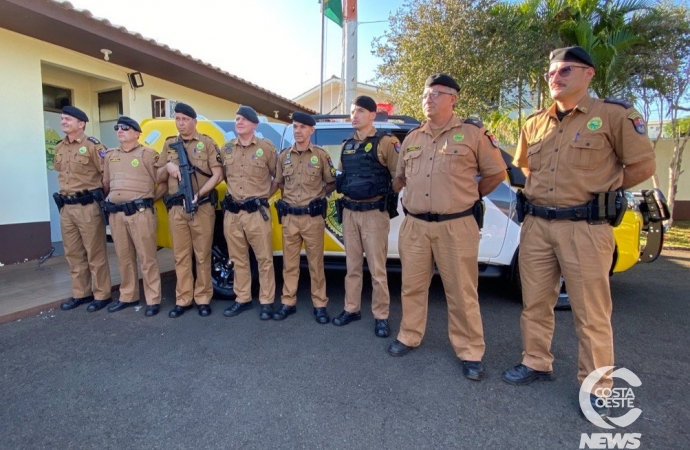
[(438, 167), (368, 162), (79, 163), (572, 152), (191, 233), (306, 176), (130, 186), (250, 166)]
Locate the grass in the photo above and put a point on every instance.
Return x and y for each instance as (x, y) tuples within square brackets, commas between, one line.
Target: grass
[(678, 236)]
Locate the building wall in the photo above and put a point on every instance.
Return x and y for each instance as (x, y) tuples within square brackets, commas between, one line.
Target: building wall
[(27, 63), (331, 98)]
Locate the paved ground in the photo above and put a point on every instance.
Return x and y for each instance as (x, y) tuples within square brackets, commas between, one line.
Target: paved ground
[(115, 381)]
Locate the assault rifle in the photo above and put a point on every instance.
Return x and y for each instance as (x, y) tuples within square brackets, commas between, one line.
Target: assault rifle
[(185, 189)]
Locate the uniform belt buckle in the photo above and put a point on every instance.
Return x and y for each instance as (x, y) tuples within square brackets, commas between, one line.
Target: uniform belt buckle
[(551, 213)]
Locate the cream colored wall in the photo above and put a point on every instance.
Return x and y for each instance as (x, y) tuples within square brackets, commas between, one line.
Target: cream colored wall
[(664, 151), (23, 180), (331, 99), (27, 64)]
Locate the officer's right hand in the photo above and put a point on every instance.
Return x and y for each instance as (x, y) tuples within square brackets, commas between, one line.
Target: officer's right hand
[(174, 171)]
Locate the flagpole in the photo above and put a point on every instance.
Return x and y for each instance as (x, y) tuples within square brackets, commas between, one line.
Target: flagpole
[(323, 38)]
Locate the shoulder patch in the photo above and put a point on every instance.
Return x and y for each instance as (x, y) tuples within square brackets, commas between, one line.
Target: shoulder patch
[(638, 122), (492, 138), (94, 140), (619, 101), (171, 137), (476, 122)]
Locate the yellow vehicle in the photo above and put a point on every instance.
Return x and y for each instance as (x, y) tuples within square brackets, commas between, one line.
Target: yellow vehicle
[(500, 236)]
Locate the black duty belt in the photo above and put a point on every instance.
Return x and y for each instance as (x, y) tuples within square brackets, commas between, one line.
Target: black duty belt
[(364, 206), (129, 208), (297, 210), (580, 212), (431, 217), (82, 198), (179, 201)]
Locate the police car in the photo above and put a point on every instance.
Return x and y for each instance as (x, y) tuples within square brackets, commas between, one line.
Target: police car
[(500, 236)]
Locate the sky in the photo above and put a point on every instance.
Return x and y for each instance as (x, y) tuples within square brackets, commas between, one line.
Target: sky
[(275, 44)]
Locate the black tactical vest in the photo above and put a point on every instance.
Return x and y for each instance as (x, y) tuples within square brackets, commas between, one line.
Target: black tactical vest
[(364, 177)]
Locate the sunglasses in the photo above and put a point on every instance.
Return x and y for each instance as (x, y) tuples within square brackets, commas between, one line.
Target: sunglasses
[(122, 127), (563, 72)]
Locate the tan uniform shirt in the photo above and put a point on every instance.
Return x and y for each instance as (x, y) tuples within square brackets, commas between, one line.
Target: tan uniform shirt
[(79, 164), (571, 160), (441, 172), (203, 153), (304, 174), (131, 174), (249, 170)]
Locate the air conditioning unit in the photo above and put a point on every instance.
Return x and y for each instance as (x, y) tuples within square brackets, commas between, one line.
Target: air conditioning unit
[(164, 108)]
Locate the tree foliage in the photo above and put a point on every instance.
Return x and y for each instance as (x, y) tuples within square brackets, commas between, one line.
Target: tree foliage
[(431, 36)]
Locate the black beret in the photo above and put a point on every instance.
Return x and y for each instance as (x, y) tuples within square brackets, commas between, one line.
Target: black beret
[(443, 80), (248, 113), (185, 109), (76, 113), (365, 102), (305, 119), (571, 54), (124, 120)]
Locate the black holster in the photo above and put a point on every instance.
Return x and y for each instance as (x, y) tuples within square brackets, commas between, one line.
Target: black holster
[(520, 205), (478, 212), (392, 204), (281, 209), (59, 202), (339, 206), (317, 207), (228, 204)]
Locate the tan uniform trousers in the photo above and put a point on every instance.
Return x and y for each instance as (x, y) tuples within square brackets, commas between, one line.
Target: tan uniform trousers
[(192, 236), (454, 246), (310, 230), (134, 236), (366, 232), (84, 240), (241, 231), (583, 253)]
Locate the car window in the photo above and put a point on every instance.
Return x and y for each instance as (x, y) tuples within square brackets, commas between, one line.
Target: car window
[(332, 141)]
